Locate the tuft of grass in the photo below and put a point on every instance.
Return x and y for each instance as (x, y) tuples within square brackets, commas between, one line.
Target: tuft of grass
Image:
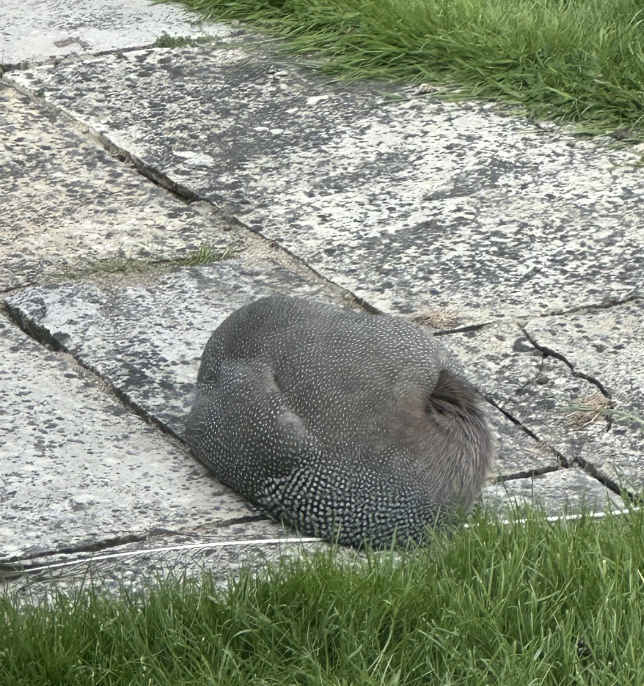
[(578, 61), (524, 603), (587, 409)]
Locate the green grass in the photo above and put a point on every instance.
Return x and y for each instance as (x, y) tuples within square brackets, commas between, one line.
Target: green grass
[(578, 61), (522, 604), (205, 254), (165, 40)]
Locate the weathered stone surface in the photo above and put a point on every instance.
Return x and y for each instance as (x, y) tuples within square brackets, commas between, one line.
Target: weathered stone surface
[(539, 391), (412, 204), (566, 491), (34, 30), (147, 339), (76, 468), (66, 204)]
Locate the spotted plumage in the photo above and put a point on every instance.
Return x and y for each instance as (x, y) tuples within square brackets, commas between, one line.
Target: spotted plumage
[(350, 426)]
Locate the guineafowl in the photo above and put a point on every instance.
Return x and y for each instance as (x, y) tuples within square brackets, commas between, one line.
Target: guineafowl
[(351, 426)]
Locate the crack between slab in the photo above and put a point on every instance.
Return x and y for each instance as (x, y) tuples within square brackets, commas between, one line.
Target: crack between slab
[(55, 60), (15, 566), (559, 356), (11, 289), (606, 305), (528, 474), (462, 329), (125, 157), (343, 293), (589, 468), (563, 463), (93, 547), (518, 319)]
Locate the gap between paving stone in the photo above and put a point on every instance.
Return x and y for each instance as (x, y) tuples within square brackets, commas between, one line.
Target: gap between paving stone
[(103, 545), (409, 205), (220, 554)]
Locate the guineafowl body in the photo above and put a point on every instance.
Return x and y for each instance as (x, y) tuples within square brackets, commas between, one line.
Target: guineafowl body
[(350, 426)]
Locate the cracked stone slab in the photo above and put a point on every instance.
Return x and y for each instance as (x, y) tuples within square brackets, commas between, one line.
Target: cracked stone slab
[(35, 30), (540, 392), (566, 491), (606, 345), (77, 468), (146, 339), (67, 205), (411, 204)]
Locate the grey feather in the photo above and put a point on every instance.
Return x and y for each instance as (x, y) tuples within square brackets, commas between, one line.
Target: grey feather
[(350, 426)]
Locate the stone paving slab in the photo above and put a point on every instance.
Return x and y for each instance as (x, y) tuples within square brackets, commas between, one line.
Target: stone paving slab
[(77, 469), (539, 391), (567, 491), (147, 339), (67, 205), (35, 30), (411, 204)]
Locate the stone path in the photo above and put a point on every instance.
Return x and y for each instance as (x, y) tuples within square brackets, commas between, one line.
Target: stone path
[(124, 166)]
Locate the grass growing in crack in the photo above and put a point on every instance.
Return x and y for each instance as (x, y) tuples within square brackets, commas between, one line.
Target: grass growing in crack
[(577, 61), (524, 603), (206, 254), (165, 40)]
